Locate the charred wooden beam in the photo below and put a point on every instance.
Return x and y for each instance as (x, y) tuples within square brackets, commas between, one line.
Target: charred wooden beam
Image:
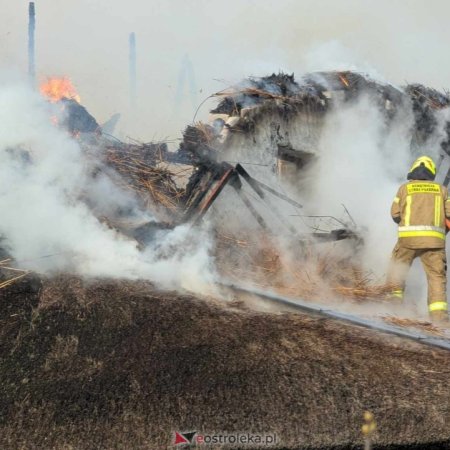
[(258, 185), (214, 193)]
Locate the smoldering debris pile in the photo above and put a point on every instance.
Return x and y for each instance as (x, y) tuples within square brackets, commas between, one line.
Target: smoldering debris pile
[(76, 118), (259, 107), (275, 119), (292, 112), (425, 102), (143, 170), (310, 273), (279, 93)]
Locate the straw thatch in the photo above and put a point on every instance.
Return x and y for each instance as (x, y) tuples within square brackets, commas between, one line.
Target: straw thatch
[(308, 271), (277, 94), (313, 92), (144, 171), (281, 97), (258, 117), (111, 364), (9, 275)]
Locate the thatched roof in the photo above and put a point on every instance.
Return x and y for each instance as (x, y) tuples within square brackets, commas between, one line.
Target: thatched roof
[(112, 364), (281, 97)]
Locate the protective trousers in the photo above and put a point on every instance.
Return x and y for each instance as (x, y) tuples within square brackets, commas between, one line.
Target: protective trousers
[(435, 265)]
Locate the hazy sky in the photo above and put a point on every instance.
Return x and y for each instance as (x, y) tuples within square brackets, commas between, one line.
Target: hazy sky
[(400, 41)]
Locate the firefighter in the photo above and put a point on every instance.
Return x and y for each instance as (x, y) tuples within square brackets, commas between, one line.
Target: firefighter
[(421, 209)]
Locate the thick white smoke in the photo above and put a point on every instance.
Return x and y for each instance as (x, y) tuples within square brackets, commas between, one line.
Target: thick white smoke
[(363, 158), (361, 166), (44, 175)]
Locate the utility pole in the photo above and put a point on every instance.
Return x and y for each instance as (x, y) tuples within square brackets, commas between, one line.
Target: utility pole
[(132, 70), (31, 43)]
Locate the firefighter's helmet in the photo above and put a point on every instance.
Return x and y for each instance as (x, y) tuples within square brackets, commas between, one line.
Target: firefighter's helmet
[(425, 161)]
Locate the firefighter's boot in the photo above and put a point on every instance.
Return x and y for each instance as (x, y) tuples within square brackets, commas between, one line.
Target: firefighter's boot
[(440, 318), (395, 297)]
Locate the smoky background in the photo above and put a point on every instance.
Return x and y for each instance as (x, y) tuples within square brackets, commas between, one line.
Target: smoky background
[(187, 50)]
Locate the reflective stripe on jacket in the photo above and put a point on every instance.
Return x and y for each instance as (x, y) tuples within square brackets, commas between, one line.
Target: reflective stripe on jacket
[(420, 208)]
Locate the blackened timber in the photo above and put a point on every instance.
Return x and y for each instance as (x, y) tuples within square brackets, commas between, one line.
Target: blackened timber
[(215, 193), (250, 207), (256, 185), (202, 182), (250, 180)]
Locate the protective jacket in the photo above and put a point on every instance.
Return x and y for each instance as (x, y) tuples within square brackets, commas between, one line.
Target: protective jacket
[(420, 209)]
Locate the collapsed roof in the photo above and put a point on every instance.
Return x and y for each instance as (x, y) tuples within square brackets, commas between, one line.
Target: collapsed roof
[(284, 104)]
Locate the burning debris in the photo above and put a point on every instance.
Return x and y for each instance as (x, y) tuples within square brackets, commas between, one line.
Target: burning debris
[(275, 120), (144, 171), (285, 117), (70, 114), (114, 253), (55, 89)]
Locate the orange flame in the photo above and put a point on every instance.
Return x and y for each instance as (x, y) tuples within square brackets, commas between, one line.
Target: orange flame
[(55, 89)]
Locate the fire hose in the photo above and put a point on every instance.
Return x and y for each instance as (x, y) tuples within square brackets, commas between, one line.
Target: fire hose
[(313, 309)]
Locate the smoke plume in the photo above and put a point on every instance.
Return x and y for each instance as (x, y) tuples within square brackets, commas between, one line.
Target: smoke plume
[(48, 197)]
